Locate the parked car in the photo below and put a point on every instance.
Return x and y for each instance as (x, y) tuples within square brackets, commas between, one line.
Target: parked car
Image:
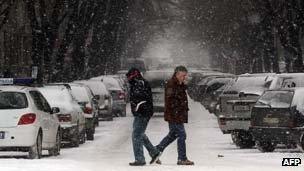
[(71, 116), (103, 97), (89, 105), (202, 85), (117, 93), (213, 88), (157, 80), (278, 118), (123, 83), (27, 122), (122, 75), (236, 102), (287, 80), (196, 76)]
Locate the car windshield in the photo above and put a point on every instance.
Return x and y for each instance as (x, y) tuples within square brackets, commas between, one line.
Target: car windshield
[(13, 100), (276, 99)]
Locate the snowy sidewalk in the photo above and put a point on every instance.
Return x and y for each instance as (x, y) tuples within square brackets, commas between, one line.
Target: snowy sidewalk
[(112, 150)]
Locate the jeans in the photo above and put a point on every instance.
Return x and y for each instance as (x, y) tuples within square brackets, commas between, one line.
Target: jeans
[(175, 131), (140, 139)]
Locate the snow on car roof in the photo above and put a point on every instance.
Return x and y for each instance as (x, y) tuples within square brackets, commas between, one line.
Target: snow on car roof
[(253, 84), (80, 92), (97, 87), (291, 74), (258, 74), (110, 82), (57, 96), (15, 88)]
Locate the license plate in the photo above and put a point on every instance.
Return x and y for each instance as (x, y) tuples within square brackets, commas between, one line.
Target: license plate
[(158, 97), (2, 135), (241, 108), (271, 120)]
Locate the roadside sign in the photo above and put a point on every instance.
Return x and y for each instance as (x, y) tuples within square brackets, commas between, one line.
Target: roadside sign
[(34, 72), (6, 81)]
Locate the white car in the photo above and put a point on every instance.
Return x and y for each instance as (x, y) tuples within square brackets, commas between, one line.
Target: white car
[(71, 116), (27, 122), (86, 100), (103, 97)]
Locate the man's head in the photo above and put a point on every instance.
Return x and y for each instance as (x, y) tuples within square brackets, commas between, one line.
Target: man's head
[(181, 73), (133, 73)]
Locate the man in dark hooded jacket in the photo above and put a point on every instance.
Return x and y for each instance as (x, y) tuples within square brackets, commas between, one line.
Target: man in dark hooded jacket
[(142, 110)]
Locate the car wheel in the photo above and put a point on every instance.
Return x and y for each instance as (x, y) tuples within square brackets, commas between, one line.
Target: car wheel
[(116, 114), (243, 139), (90, 134), (301, 143), (35, 152), (265, 146), (56, 150), (75, 140), (82, 137), (233, 137), (96, 122)]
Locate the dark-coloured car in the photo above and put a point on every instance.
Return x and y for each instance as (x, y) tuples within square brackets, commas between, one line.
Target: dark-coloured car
[(278, 118), (211, 93), (196, 77), (235, 105)]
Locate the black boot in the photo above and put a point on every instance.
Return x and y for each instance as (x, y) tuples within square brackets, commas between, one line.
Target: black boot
[(137, 163), (155, 157)]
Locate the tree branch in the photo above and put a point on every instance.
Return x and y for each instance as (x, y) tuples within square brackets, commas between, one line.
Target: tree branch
[(6, 14)]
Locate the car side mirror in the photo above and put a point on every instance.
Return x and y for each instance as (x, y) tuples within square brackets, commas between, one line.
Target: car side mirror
[(97, 97), (55, 110)]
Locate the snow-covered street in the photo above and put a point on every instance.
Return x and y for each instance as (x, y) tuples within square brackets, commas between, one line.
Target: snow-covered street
[(112, 150)]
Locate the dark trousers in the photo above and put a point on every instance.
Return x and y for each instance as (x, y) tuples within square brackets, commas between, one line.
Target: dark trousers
[(176, 131), (140, 139)]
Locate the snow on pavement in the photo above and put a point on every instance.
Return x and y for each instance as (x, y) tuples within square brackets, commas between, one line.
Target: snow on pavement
[(112, 150)]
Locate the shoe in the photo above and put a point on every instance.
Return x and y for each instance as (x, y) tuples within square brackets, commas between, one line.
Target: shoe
[(137, 163), (158, 162), (185, 162), (155, 157)]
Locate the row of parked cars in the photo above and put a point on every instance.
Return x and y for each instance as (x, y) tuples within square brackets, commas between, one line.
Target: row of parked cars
[(264, 110), (45, 117), (197, 82)]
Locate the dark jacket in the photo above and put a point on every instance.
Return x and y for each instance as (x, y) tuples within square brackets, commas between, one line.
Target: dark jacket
[(176, 102), (141, 97)]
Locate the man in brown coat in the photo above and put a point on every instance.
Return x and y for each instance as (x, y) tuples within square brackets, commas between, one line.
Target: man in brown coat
[(176, 114)]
